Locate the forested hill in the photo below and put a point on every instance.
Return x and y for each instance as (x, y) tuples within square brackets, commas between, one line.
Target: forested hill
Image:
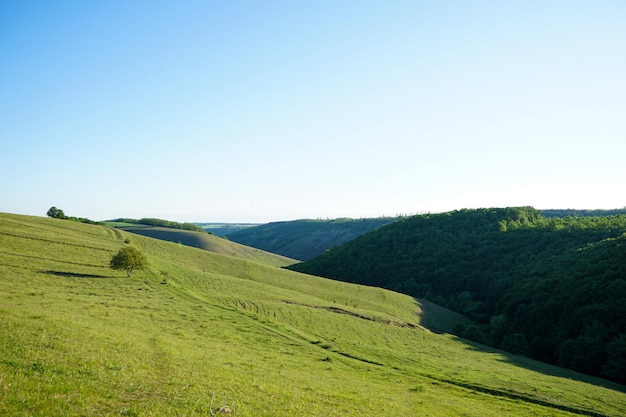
[(305, 239), (551, 288)]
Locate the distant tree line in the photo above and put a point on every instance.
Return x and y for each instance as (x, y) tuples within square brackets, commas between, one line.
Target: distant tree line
[(551, 288), (57, 213), (582, 213), (163, 223)]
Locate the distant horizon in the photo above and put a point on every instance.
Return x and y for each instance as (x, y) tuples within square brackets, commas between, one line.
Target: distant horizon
[(273, 220), (385, 216)]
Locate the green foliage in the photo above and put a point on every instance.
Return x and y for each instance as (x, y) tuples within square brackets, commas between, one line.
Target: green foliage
[(515, 343), (615, 365), (210, 243), (224, 332), (56, 213), (128, 259), (582, 213), (552, 288), (59, 214), (306, 239)]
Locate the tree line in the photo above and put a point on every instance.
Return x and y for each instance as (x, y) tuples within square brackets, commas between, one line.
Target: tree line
[(57, 213), (163, 223), (551, 288)]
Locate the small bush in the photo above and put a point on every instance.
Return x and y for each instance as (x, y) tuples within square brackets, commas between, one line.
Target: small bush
[(128, 259)]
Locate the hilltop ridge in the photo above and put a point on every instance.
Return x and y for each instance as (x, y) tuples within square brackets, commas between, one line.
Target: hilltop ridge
[(306, 238), (209, 242)]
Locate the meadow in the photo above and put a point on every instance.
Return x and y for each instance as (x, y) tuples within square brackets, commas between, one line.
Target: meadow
[(205, 241), (197, 332)]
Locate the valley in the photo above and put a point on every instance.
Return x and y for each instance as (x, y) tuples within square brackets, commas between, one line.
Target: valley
[(197, 332)]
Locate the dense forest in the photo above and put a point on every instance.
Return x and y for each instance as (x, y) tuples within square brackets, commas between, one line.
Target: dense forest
[(305, 239), (552, 288)]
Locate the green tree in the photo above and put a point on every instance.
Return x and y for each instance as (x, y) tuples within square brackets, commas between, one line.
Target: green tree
[(128, 259), (615, 366), (56, 213), (515, 343)]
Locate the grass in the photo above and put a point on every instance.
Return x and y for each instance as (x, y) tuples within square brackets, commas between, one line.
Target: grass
[(223, 229), (208, 242), (78, 339)]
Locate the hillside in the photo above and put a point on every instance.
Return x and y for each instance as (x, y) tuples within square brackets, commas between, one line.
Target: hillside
[(223, 229), (305, 239), (210, 243), (550, 288), (199, 332)]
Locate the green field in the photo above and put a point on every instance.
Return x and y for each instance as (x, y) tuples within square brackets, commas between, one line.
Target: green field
[(197, 331), (206, 241)]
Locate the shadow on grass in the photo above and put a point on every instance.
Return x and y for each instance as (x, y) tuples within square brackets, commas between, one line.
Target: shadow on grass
[(74, 274), (440, 320), (542, 367)]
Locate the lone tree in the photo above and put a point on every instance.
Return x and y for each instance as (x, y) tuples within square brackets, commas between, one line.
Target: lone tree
[(128, 259), (56, 213)]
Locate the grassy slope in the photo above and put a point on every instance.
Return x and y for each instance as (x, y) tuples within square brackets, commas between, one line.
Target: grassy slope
[(79, 339), (223, 229), (211, 243), (554, 287)]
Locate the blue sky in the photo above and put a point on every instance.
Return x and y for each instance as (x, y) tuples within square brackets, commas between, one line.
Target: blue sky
[(277, 110)]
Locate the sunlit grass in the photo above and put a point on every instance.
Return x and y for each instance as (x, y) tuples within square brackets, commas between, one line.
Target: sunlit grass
[(197, 331), (208, 242)]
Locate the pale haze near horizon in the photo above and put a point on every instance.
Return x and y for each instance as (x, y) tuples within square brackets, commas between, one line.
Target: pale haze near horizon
[(249, 111)]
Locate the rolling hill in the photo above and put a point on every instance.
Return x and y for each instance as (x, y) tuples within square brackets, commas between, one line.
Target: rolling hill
[(199, 333), (305, 239), (210, 243), (551, 288), (223, 229)]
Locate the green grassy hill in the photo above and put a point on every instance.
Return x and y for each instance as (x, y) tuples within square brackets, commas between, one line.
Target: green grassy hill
[(78, 339), (306, 239), (211, 243), (223, 229), (551, 288)]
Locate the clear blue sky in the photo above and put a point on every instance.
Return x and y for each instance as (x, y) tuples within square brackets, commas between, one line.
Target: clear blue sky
[(277, 110)]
